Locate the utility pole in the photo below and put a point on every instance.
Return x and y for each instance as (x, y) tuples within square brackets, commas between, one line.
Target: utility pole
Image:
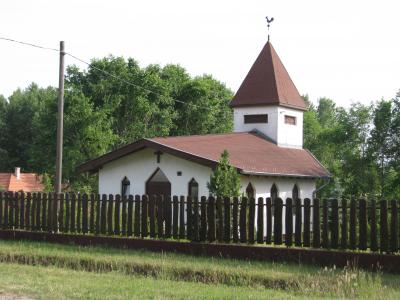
[(60, 121)]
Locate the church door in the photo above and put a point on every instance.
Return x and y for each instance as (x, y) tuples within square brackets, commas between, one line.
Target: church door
[(158, 184)]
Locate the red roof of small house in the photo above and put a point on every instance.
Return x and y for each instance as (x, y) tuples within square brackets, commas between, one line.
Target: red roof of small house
[(268, 83), (250, 153), (28, 182)]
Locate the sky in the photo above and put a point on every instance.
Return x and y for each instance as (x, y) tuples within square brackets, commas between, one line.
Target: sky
[(348, 51)]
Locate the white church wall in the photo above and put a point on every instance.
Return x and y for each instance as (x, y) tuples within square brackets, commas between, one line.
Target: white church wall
[(139, 166), (269, 129), (290, 135)]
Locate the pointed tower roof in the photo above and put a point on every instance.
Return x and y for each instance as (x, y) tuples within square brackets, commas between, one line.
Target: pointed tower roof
[(268, 83)]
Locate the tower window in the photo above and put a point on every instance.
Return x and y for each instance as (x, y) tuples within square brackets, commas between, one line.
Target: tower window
[(250, 191), (125, 187), (290, 120), (193, 189), (251, 119)]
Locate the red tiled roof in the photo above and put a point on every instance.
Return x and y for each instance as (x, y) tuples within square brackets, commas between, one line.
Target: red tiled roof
[(249, 152), (268, 83), (28, 182)]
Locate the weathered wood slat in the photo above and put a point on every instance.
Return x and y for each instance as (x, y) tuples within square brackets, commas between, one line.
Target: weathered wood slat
[(353, 225), (2, 196), (203, 219), (44, 212), (137, 222), (243, 220), (260, 220), (168, 217), (289, 222), (50, 212), (211, 219), (152, 215), (268, 204), (67, 212), (28, 212), (335, 224), (362, 236), (85, 206), (160, 218), (307, 223), (130, 216), (79, 213), (220, 220), (344, 232), (325, 224), (144, 216), (394, 227), (103, 217), (384, 232), (316, 241), (235, 220), (175, 217), (278, 221), (92, 213), (373, 231), (298, 222), (196, 217), (22, 211), (117, 215), (98, 214), (124, 215), (61, 213), (182, 231), (227, 219), (252, 216), (110, 210), (189, 218)]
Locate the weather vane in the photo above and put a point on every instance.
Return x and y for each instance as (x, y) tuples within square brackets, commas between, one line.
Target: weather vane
[(269, 21)]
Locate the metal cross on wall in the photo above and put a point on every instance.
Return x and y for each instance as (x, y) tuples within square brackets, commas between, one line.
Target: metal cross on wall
[(158, 153)]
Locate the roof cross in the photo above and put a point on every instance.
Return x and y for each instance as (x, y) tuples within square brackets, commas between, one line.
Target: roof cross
[(269, 21)]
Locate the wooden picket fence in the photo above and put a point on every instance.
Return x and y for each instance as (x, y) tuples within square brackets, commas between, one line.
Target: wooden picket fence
[(329, 224)]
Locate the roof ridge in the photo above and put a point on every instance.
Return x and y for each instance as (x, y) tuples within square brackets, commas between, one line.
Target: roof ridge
[(195, 135)]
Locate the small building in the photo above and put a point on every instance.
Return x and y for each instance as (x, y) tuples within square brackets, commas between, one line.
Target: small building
[(21, 182), (266, 147)]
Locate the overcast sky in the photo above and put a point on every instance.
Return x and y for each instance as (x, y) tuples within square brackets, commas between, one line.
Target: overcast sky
[(346, 50)]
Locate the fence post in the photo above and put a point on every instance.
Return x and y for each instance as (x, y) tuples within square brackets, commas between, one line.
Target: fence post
[(22, 211), (67, 211), (6, 205), (278, 221), (269, 221), (160, 216), (325, 224), (152, 200), (175, 215), (298, 222), (189, 218), (362, 245), (235, 220), (260, 220), (182, 232), (50, 199), (211, 219), (103, 222), (110, 214), (130, 215), (203, 221), (117, 214), (335, 224), (394, 227), (136, 226), (123, 215), (374, 237), (384, 236), (307, 225), (227, 219), (252, 217), (243, 220), (144, 218), (98, 214), (14, 209), (44, 211), (195, 235), (168, 217), (353, 224), (344, 233), (316, 224), (38, 211), (220, 227), (61, 213), (85, 213), (288, 222), (92, 212), (27, 211), (79, 212)]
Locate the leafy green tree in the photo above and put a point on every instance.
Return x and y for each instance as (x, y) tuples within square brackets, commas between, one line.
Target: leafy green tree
[(225, 180)]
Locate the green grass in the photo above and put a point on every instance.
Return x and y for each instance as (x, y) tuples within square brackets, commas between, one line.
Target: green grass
[(59, 271)]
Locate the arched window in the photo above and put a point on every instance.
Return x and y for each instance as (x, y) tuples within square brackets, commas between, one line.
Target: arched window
[(295, 196), (250, 191), (125, 187), (274, 196), (193, 189)]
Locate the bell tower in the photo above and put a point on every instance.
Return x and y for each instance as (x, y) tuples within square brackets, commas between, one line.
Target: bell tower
[(268, 101)]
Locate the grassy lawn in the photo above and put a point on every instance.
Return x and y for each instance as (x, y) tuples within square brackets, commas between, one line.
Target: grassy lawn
[(71, 272)]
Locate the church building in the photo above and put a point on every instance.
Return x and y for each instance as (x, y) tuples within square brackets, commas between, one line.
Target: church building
[(266, 147)]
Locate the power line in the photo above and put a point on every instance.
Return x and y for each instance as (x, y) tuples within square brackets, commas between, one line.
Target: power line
[(104, 72)]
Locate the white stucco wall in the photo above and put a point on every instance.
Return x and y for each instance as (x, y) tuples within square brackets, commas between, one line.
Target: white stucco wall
[(284, 135), (139, 166)]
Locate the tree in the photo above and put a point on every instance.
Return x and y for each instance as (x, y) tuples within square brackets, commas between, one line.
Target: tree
[(225, 180)]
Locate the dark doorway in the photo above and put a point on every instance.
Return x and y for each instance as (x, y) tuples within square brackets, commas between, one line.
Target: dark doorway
[(158, 184)]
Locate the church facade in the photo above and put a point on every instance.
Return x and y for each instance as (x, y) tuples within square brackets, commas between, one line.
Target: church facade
[(266, 147)]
